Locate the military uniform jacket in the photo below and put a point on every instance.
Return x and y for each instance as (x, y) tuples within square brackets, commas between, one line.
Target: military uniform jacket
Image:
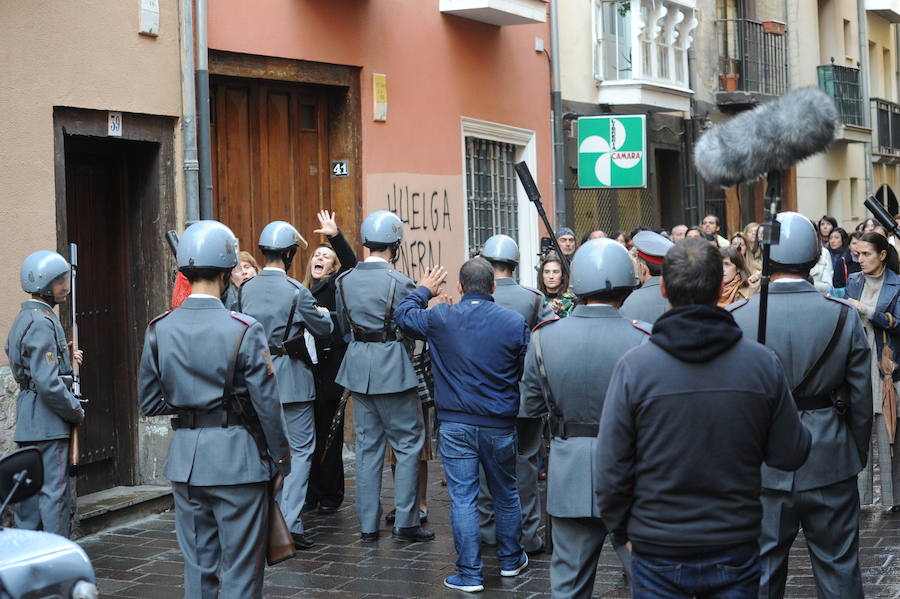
[(195, 344), (517, 298), (373, 368), (38, 355), (800, 323), (267, 297), (647, 303), (579, 354)]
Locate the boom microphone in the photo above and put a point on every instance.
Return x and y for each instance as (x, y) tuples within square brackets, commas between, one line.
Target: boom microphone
[(772, 137)]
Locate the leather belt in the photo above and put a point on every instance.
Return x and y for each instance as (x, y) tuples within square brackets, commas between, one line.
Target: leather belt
[(218, 417), (374, 336), (814, 402), (578, 429)]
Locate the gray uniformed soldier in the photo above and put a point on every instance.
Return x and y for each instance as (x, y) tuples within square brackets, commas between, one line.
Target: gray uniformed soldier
[(503, 254), (378, 371), (45, 409), (567, 371), (647, 303), (199, 362), (273, 298), (822, 346)]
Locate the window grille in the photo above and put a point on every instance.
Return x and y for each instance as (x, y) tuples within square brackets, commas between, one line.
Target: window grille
[(491, 201)]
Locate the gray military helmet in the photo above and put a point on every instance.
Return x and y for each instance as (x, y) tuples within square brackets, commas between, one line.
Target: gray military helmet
[(798, 242), (280, 235), (382, 227), (501, 248), (602, 265), (40, 269), (208, 244)]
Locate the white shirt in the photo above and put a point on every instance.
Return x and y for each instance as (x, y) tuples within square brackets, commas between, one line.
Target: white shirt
[(374, 259), (204, 295), (275, 268)]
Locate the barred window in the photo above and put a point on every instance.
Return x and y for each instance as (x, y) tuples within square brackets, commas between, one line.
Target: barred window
[(491, 202)]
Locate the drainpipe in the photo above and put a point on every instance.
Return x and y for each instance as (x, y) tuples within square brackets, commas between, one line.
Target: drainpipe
[(559, 149), (202, 82), (864, 91), (189, 114)]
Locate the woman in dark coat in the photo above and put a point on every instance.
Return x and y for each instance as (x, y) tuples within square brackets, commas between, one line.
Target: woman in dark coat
[(875, 293), (326, 478)]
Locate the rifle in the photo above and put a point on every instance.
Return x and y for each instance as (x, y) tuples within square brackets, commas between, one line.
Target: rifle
[(74, 449), (534, 196), (336, 422)]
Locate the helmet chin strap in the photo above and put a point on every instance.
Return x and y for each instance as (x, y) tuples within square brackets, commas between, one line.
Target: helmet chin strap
[(288, 256), (395, 252)]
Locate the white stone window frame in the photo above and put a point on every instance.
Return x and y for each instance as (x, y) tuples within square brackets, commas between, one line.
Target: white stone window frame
[(525, 141), (668, 29)]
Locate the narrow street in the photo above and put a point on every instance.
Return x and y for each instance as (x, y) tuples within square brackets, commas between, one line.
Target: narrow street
[(142, 560)]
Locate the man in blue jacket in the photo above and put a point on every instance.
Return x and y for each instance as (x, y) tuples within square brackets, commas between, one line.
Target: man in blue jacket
[(477, 351)]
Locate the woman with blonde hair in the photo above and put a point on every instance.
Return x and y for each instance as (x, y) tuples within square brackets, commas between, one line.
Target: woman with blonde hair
[(328, 261)]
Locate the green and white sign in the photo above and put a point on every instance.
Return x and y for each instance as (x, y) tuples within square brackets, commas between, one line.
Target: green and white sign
[(612, 151)]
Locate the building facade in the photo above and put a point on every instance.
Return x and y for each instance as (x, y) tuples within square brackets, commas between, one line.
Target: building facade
[(421, 108), (91, 102), (686, 73)]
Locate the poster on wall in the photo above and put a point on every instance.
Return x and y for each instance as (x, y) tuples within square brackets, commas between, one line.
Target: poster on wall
[(612, 151)]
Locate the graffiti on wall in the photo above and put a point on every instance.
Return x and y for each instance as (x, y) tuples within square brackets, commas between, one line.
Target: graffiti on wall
[(430, 207)]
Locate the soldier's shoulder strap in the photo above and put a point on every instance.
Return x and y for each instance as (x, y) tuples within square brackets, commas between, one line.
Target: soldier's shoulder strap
[(340, 286), (738, 304), (160, 317), (241, 318), (544, 323), (839, 300), (644, 327)]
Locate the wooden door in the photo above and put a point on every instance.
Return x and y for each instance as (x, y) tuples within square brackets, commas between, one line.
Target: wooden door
[(97, 203), (269, 144)]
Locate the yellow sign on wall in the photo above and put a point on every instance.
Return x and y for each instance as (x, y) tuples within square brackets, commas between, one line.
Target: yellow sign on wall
[(380, 97)]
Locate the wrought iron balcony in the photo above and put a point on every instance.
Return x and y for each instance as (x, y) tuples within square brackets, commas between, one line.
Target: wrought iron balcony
[(842, 84), (885, 129), (752, 60)]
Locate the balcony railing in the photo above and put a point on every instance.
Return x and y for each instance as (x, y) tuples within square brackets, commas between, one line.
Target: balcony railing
[(842, 84), (752, 56), (886, 127)]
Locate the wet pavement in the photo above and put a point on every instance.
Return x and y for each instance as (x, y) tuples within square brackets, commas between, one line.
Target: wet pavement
[(142, 560)]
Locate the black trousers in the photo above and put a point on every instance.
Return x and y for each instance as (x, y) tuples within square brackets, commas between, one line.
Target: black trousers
[(326, 477)]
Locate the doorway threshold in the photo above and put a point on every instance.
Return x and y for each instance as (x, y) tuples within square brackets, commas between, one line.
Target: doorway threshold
[(119, 505)]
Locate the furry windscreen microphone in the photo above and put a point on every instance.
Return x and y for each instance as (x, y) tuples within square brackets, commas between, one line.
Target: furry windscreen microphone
[(772, 137)]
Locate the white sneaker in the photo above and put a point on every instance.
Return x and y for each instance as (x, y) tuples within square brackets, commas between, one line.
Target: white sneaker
[(466, 588), (517, 571)]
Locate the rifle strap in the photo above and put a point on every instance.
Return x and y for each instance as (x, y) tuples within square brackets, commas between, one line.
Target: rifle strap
[(389, 312), (552, 407), (340, 282), (232, 363), (290, 319), (154, 351), (240, 304), (842, 318)]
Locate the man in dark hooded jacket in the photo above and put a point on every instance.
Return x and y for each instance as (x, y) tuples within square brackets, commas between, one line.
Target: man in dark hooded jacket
[(681, 444)]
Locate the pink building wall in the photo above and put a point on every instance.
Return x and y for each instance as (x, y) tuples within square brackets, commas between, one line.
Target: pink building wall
[(439, 68)]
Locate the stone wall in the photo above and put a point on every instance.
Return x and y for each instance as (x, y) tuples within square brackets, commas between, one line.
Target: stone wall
[(9, 390)]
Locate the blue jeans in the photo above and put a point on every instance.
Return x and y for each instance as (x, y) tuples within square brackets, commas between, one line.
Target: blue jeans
[(730, 574), (463, 447)]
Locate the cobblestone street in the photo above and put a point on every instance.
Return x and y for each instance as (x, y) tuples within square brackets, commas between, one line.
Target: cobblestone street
[(143, 560)]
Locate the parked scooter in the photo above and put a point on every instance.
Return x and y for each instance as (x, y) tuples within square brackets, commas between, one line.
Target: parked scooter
[(34, 564)]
